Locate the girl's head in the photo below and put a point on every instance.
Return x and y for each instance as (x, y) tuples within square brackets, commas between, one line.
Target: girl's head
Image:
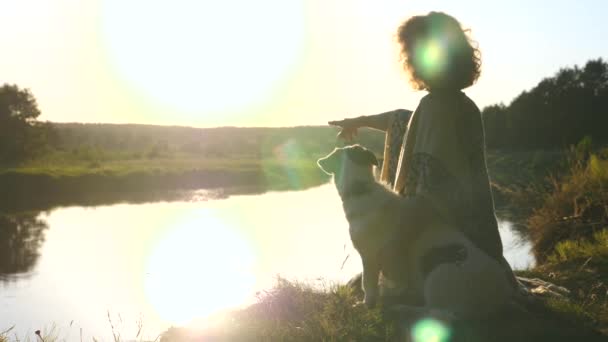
[(437, 53)]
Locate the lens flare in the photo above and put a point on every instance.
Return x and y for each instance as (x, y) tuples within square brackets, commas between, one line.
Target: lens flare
[(430, 330), (290, 166), (224, 275), (286, 154), (431, 57)]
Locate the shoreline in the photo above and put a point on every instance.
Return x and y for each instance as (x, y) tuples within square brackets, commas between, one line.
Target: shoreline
[(42, 190)]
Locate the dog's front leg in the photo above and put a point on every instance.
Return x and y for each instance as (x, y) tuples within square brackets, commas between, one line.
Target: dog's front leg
[(371, 273)]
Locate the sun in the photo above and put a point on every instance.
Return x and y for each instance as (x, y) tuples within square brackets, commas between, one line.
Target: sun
[(203, 57)]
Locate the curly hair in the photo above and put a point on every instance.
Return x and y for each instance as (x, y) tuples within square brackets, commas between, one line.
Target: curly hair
[(437, 53)]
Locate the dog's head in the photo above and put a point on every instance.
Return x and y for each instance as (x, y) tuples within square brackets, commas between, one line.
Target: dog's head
[(348, 162)]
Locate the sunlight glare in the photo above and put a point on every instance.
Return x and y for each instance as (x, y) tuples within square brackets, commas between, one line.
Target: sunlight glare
[(200, 266), (203, 57)]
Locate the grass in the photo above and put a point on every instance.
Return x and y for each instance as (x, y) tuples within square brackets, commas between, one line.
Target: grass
[(569, 250), (512, 172), (293, 311), (175, 164), (576, 208), (54, 333), (190, 170), (48, 335), (569, 232), (581, 266), (4, 334), (43, 184), (290, 311), (521, 179)]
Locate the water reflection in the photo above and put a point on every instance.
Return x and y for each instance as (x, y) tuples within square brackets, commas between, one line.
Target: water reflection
[(21, 236), (170, 262), (517, 247)]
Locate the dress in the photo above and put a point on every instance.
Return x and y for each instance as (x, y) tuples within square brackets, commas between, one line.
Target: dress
[(439, 153)]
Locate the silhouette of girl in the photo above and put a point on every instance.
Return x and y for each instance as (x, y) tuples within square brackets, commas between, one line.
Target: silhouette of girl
[(438, 151)]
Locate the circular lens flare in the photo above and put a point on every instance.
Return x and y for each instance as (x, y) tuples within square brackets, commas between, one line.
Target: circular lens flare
[(430, 330), (431, 57), (286, 154), (199, 267)]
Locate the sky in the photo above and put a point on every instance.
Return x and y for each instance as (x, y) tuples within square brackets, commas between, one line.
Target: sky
[(268, 62)]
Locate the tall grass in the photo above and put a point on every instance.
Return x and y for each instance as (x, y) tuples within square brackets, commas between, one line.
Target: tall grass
[(293, 311), (54, 333), (577, 206), (569, 231), (572, 250), (582, 267), (4, 334)]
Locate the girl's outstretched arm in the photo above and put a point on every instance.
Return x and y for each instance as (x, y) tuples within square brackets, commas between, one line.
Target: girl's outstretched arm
[(378, 121)]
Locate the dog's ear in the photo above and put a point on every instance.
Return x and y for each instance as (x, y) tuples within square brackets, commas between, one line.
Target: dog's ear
[(360, 155), (329, 163)]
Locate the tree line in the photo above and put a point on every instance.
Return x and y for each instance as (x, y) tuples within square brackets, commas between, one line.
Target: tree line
[(559, 111)]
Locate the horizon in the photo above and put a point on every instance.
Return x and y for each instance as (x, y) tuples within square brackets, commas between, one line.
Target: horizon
[(181, 126), (87, 62)]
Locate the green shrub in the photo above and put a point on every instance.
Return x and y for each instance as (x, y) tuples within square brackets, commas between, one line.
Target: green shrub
[(569, 250), (576, 208)]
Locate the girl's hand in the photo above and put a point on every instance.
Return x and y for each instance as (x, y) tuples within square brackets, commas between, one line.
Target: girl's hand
[(349, 128)]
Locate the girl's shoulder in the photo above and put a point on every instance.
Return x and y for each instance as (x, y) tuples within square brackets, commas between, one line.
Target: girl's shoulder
[(470, 104), (448, 103)]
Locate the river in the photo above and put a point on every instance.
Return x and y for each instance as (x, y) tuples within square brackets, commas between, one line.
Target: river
[(129, 267)]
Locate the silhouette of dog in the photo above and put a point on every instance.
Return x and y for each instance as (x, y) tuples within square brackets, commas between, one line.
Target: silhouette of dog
[(409, 244)]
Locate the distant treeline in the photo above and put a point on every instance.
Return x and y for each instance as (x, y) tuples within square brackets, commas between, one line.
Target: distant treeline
[(559, 111), (147, 141), (23, 138)]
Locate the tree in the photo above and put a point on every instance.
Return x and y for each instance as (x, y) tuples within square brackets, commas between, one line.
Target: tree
[(17, 104), (18, 113), (558, 111), (495, 125)]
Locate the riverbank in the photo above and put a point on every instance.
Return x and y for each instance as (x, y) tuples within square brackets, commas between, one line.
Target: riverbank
[(298, 312), (63, 181), (136, 181), (119, 159)]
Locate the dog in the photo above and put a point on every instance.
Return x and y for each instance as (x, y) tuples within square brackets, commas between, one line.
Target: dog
[(409, 244)]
